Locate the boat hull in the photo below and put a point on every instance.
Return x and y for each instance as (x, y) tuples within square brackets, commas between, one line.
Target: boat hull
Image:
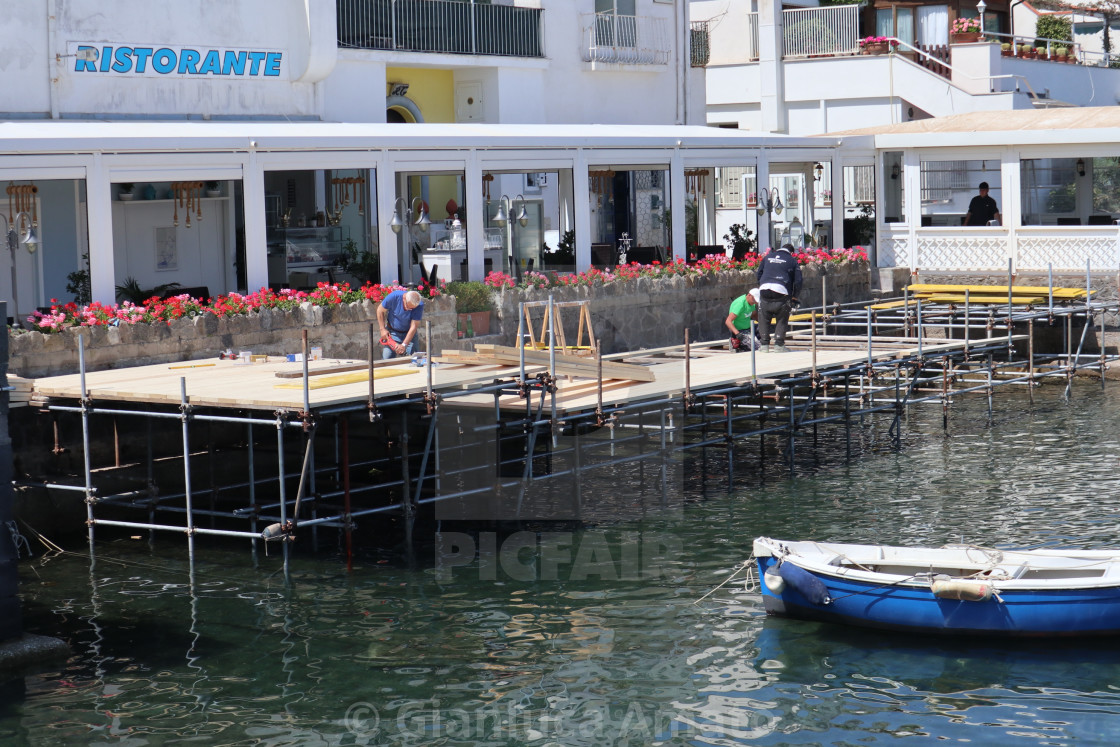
[(915, 609)]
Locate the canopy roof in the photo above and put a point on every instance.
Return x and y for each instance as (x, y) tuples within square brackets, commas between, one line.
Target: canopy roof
[(24, 137), (1070, 125)]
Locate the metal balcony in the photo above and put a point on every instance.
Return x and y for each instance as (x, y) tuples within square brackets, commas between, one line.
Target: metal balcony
[(443, 26), (626, 40)]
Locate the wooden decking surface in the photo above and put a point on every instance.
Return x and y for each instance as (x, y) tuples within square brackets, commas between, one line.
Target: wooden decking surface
[(269, 385)]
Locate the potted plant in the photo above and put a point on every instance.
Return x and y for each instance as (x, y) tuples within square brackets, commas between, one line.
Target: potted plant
[(1061, 53), (1040, 53), (473, 303), (739, 241), (876, 44), (213, 189), (1023, 50), (125, 191), (361, 265), (965, 30), (1005, 49)]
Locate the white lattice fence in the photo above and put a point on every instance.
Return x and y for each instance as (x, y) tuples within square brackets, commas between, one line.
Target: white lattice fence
[(962, 253), (893, 251), (1067, 253)]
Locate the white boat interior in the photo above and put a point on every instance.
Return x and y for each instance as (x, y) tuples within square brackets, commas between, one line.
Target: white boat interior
[(1048, 568)]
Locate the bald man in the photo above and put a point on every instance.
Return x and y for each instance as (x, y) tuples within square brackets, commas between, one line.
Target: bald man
[(399, 317)]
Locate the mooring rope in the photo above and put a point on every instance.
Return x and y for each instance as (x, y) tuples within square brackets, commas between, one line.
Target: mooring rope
[(746, 564)]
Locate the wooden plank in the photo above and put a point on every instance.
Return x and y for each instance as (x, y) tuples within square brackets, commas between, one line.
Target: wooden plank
[(354, 377), (333, 369), (568, 364), (996, 289), (893, 304), (978, 299)]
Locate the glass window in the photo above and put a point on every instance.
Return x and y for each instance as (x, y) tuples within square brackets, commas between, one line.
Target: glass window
[(933, 26), (729, 186), (1049, 191), (894, 197), (949, 186), (1106, 188), (904, 24)]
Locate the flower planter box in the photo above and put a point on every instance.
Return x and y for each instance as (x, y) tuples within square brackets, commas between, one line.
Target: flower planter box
[(964, 37), (876, 48)]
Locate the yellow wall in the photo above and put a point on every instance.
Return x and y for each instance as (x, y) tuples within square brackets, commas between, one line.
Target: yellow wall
[(431, 90)]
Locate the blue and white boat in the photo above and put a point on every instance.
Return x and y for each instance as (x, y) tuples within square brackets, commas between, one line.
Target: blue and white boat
[(956, 589)]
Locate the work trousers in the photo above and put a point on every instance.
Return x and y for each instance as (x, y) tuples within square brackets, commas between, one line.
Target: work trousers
[(773, 305)]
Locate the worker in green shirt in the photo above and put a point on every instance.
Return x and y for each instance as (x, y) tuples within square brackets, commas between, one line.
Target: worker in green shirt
[(743, 310)]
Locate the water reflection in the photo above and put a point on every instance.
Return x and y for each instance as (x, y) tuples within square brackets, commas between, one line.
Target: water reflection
[(614, 652)]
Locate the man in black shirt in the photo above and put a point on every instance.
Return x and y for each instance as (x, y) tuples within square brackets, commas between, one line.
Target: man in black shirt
[(982, 208)]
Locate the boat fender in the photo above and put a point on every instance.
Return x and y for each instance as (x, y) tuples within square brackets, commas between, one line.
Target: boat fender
[(774, 581), (808, 585), (965, 590)]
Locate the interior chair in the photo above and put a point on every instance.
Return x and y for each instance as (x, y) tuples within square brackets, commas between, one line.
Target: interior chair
[(1101, 220), (1064, 221)]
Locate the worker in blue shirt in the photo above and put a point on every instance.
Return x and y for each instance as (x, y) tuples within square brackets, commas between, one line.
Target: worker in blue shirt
[(779, 282)]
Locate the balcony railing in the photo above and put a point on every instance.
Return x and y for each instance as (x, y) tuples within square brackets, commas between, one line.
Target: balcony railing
[(447, 26), (627, 40), (700, 45), (810, 32)]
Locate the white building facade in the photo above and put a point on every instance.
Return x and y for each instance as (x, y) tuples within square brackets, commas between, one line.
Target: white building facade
[(416, 64)]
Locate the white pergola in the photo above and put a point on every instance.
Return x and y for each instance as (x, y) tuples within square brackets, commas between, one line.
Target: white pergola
[(101, 154), (1007, 139)]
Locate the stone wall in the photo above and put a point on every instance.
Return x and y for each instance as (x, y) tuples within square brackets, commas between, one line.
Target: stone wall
[(644, 313)]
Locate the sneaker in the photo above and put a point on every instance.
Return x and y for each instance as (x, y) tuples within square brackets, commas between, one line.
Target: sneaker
[(779, 349)]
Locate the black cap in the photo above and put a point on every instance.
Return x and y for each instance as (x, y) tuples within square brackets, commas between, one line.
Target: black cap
[(983, 185), (788, 247)]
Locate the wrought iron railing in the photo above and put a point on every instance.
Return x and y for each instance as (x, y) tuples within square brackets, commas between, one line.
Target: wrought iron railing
[(447, 26), (700, 49), (627, 40)]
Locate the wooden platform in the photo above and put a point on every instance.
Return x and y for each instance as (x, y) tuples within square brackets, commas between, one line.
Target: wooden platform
[(995, 292), (277, 384)]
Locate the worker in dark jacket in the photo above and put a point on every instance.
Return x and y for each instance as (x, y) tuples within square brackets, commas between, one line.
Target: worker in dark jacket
[(779, 283)]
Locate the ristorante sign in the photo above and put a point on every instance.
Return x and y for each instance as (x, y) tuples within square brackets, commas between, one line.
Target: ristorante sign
[(175, 62)]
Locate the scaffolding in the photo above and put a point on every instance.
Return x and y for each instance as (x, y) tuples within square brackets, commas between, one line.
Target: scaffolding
[(526, 435)]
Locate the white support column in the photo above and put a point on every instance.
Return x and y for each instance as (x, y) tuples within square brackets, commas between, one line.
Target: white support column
[(476, 218), (839, 199), (256, 238), (99, 211), (581, 194), (1011, 209), (566, 196), (761, 181), (770, 72), (912, 181), (388, 250), (678, 199)]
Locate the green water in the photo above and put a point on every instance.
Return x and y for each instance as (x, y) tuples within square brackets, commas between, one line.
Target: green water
[(594, 637)]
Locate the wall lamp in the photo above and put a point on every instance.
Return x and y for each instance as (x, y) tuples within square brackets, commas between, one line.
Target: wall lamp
[(769, 201), (894, 170), (19, 230), (1081, 167), (501, 217), (818, 171), (403, 212)]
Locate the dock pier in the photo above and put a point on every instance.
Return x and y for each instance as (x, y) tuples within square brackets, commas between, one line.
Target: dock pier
[(289, 449)]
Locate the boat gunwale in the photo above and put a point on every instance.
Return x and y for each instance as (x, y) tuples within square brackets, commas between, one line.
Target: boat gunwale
[(1108, 579)]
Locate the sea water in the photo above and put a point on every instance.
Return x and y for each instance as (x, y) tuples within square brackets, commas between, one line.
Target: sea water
[(598, 635)]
